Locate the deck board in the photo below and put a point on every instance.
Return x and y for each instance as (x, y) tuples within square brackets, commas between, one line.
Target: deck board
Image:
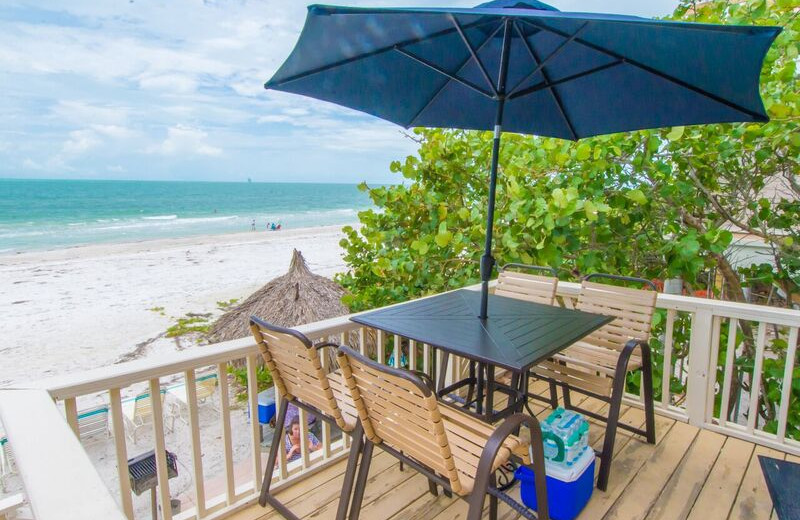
[(689, 473)]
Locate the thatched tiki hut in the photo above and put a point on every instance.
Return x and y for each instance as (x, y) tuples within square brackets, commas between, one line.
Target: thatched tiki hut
[(296, 298)]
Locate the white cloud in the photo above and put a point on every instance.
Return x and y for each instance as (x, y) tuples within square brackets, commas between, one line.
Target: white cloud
[(80, 141), (81, 112), (186, 140)]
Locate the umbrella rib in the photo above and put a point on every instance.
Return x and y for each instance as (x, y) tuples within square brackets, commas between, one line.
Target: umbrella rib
[(443, 72), (552, 90), (460, 68), (550, 57), (302, 75), (551, 84), (460, 31), (654, 71)]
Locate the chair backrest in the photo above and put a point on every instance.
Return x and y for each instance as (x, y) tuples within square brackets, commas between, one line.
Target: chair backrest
[(206, 386), (296, 368), (525, 286), (632, 308), (92, 422), (142, 407), (398, 410)]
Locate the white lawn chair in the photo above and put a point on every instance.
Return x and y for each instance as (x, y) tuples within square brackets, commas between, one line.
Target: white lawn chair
[(205, 387), (7, 466), (93, 424), (138, 412)]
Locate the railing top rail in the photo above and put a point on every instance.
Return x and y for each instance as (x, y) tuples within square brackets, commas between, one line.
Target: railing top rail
[(53, 493)]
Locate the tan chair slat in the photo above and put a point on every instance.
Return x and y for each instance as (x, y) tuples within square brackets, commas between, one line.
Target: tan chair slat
[(346, 405), (528, 287), (575, 377)]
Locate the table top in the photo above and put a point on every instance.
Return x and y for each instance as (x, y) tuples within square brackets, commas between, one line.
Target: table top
[(516, 335), (783, 483)]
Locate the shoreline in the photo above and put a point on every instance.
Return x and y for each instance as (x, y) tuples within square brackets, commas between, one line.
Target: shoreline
[(256, 236), (68, 309)]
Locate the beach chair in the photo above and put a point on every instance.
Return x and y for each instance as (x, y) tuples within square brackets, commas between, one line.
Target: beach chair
[(298, 374), (138, 412), (205, 388), (399, 413), (598, 364), (93, 424), (7, 466)]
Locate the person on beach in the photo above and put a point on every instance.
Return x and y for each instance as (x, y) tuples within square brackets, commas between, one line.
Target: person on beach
[(253, 225), (279, 227), (273, 226), (292, 441)]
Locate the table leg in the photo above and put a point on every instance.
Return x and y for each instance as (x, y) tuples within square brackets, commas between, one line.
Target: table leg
[(470, 386), (479, 396), (489, 392)]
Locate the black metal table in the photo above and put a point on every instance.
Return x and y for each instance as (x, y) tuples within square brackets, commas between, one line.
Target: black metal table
[(516, 336), (783, 483)]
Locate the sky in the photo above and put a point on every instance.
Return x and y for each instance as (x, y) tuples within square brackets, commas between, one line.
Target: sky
[(173, 90)]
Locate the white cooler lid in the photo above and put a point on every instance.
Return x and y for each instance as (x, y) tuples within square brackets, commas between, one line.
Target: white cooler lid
[(571, 472)]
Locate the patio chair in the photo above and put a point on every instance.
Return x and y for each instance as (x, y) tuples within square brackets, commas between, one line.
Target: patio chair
[(93, 424), (528, 287), (598, 364), (399, 413), (138, 412), (301, 380)]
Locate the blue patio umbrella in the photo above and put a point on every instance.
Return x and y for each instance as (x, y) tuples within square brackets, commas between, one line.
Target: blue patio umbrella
[(525, 67)]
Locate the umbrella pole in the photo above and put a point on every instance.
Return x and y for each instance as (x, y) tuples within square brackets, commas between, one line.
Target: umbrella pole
[(487, 260)]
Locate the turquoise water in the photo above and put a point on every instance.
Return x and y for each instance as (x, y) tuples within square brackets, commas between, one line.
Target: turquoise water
[(48, 214)]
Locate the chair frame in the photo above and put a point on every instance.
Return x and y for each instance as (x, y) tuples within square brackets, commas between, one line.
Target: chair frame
[(355, 449), (485, 480), (617, 393)]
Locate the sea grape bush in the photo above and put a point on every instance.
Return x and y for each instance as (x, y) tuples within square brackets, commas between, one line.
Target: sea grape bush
[(658, 204)]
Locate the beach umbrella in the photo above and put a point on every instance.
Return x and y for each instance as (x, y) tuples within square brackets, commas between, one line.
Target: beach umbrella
[(525, 67), (296, 298)]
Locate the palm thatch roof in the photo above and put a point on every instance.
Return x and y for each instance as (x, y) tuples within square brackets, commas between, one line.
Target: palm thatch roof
[(296, 298)]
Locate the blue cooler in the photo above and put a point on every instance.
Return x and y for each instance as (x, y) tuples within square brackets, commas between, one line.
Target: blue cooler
[(266, 405), (569, 487)]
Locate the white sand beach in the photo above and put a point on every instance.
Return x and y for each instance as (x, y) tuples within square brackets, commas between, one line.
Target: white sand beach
[(70, 309)]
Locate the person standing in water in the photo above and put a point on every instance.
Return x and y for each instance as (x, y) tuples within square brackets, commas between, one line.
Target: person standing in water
[(253, 225)]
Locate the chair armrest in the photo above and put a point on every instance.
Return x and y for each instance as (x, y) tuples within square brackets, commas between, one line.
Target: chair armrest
[(484, 472), (425, 379), (327, 344)]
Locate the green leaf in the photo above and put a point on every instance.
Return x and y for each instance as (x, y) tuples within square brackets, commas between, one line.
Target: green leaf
[(676, 133), (443, 238), (584, 152), (637, 196)]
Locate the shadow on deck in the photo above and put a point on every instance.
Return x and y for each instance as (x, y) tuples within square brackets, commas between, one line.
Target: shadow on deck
[(689, 473)]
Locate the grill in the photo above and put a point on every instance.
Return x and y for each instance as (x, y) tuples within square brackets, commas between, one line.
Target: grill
[(144, 475), (142, 471)]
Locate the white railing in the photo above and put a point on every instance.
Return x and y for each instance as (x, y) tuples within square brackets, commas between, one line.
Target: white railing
[(703, 344), (689, 341)]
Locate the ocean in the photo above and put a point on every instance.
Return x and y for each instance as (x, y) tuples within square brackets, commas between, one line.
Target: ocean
[(51, 214)]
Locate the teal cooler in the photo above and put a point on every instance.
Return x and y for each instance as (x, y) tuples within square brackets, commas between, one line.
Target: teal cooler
[(569, 487)]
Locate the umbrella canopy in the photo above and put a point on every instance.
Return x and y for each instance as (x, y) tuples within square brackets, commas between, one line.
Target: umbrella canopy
[(523, 66), (296, 298)]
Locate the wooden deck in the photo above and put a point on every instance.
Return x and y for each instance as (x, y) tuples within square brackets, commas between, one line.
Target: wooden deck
[(689, 474)]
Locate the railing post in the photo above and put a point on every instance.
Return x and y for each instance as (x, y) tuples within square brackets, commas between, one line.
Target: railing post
[(699, 366)]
